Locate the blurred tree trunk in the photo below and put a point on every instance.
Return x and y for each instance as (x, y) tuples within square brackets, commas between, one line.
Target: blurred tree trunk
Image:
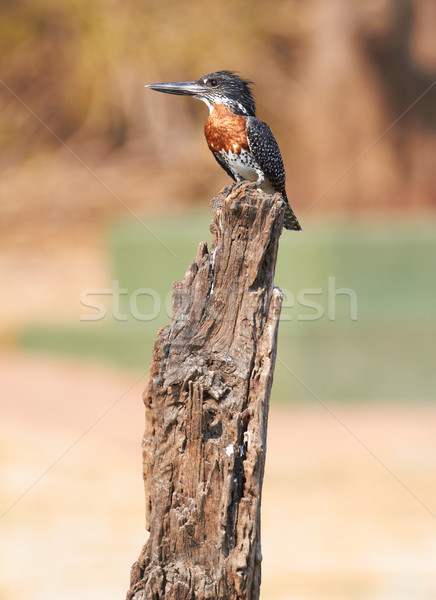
[(206, 411)]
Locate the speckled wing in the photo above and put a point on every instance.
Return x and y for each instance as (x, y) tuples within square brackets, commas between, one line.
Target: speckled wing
[(266, 152)]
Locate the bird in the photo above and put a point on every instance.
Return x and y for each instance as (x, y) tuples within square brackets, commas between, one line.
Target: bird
[(243, 145)]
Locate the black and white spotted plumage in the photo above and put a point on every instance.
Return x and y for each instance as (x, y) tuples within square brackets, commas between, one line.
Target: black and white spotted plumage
[(267, 155), (225, 163)]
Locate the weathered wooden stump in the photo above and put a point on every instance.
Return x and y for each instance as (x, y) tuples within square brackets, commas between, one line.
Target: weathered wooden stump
[(206, 409)]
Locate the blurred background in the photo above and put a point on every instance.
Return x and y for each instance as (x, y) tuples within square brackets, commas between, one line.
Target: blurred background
[(105, 190)]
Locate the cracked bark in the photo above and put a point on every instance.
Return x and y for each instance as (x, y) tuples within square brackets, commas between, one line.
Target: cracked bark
[(206, 409)]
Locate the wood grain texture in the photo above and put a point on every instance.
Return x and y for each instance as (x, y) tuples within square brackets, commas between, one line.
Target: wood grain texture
[(206, 409)]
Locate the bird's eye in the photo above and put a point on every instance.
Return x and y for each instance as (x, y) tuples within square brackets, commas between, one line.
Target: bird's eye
[(213, 82)]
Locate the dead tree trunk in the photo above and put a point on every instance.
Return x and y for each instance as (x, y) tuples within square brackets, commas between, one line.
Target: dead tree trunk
[(206, 408)]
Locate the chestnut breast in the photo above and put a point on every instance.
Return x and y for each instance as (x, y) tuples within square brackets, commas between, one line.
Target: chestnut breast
[(225, 131)]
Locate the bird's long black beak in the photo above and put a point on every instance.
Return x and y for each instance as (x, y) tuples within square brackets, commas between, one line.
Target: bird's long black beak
[(180, 88)]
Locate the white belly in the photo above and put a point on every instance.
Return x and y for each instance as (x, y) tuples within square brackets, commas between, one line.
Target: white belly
[(243, 166)]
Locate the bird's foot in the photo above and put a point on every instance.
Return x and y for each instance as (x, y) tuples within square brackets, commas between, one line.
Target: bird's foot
[(243, 183), (239, 184)]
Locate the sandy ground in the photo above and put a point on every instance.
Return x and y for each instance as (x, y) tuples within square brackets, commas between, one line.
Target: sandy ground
[(348, 496)]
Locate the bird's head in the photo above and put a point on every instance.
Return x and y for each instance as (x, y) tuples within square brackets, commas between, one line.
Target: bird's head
[(221, 87)]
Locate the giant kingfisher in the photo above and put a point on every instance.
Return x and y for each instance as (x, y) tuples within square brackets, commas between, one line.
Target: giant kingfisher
[(242, 145)]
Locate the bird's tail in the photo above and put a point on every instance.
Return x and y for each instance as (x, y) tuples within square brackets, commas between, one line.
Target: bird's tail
[(291, 221)]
